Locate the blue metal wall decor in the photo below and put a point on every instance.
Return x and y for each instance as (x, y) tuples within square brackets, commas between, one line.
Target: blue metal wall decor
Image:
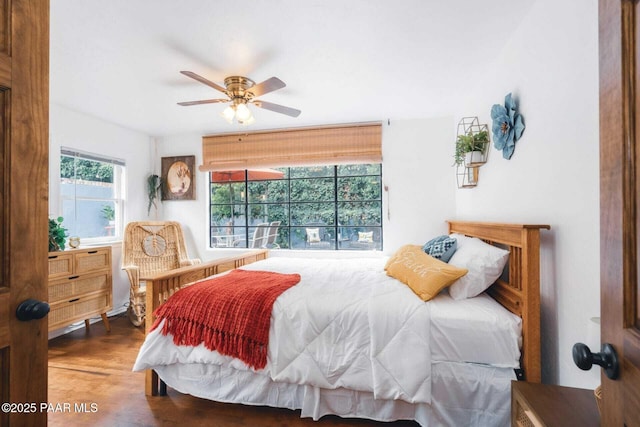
[(508, 126)]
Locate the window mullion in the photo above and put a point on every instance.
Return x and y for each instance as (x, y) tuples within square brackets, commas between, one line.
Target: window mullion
[(335, 207), (246, 205)]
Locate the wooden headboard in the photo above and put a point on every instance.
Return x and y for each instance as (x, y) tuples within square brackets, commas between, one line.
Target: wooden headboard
[(520, 291)]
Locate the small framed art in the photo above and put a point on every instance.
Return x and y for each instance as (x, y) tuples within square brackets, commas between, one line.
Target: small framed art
[(178, 178)]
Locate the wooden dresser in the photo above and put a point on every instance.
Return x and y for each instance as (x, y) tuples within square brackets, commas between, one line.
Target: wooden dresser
[(537, 405), (80, 286)]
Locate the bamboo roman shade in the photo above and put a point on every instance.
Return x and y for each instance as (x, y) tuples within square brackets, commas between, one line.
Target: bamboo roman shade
[(358, 143)]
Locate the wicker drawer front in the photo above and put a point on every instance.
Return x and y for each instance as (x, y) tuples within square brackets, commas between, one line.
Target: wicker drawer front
[(60, 265), (70, 288), (68, 312), (92, 260), (524, 417)]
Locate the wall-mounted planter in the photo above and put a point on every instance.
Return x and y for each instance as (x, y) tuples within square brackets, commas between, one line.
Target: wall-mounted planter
[(474, 159), (472, 151), (467, 177), (472, 142)]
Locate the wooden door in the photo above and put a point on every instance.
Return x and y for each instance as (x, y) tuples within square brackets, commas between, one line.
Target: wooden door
[(24, 122), (620, 205)]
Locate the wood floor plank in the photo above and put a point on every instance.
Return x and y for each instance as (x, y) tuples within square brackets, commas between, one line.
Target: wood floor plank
[(91, 384)]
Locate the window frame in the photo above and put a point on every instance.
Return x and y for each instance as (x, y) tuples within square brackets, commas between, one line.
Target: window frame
[(334, 228), (119, 189)]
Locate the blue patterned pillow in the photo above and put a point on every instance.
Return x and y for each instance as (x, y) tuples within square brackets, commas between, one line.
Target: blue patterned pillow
[(442, 247)]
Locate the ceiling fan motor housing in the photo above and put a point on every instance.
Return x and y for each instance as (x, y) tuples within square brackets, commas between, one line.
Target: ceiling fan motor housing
[(238, 86)]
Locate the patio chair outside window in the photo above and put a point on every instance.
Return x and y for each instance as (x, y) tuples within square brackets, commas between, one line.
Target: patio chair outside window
[(259, 235), (272, 235), (315, 237)]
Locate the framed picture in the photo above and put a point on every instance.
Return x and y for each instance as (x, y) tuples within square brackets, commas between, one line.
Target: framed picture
[(178, 178)]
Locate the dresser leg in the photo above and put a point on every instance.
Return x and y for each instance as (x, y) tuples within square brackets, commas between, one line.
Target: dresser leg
[(105, 320), (86, 324)]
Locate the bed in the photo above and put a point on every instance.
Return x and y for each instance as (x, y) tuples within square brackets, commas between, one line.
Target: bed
[(453, 375)]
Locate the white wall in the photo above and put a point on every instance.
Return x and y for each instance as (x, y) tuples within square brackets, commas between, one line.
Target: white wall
[(86, 133), (551, 66), (417, 169), (416, 161)]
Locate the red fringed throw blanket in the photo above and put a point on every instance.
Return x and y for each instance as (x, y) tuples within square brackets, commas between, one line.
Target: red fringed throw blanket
[(230, 314)]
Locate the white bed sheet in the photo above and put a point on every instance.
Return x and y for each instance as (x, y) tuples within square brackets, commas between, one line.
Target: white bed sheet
[(476, 330), (463, 394)]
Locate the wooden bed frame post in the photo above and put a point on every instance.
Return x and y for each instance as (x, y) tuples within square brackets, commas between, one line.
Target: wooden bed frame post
[(531, 295), (161, 286), (520, 292)]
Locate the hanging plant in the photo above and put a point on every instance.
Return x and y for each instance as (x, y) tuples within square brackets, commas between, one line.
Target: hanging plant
[(469, 143), (154, 183), (508, 126), (57, 234)]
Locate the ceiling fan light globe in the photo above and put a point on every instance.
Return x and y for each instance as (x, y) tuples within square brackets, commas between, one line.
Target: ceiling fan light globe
[(249, 121), (243, 113), (228, 114)]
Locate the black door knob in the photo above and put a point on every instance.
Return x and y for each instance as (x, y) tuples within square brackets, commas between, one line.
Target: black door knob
[(32, 309), (607, 359)]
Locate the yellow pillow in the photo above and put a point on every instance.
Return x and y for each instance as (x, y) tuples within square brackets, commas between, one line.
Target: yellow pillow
[(425, 275)]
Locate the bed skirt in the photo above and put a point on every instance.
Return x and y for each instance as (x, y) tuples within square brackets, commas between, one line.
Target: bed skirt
[(462, 394)]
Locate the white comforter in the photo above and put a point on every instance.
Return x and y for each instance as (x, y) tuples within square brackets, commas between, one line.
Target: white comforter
[(345, 324)]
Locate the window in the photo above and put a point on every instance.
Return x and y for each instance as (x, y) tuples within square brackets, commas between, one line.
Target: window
[(319, 207), (92, 195)]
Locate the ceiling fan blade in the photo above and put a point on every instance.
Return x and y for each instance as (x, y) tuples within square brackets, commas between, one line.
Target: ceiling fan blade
[(204, 101), (277, 108), (203, 80), (267, 86)]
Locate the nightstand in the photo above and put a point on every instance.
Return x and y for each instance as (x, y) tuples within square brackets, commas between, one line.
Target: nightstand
[(535, 405)]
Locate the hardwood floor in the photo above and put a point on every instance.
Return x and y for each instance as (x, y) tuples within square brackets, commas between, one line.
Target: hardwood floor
[(91, 384)]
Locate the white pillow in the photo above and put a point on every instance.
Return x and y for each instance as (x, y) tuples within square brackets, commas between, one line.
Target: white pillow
[(484, 262), (313, 235)]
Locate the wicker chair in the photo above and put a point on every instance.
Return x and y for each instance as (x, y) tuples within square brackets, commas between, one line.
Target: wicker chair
[(148, 248)]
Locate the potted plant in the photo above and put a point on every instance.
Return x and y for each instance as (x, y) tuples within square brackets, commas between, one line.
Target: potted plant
[(57, 234), (109, 214), (470, 148)]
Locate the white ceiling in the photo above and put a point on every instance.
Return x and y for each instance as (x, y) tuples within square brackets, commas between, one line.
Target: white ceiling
[(342, 60)]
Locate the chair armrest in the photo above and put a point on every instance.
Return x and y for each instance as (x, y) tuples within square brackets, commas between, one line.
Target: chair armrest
[(133, 272), (188, 262)]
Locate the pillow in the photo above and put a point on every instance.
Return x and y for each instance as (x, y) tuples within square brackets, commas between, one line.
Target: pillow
[(441, 247), (313, 235), (425, 275), (484, 262), (365, 236)]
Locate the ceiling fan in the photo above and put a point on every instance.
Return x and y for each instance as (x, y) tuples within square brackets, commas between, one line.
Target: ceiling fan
[(240, 92)]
